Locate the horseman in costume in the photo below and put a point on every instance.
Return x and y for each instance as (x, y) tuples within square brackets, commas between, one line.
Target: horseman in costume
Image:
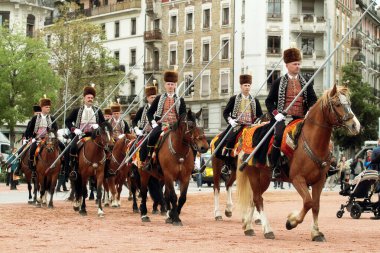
[(83, 120), (281, 94), (120, 126), (107, 114), (244, 106), (37, 129), (159, 108)]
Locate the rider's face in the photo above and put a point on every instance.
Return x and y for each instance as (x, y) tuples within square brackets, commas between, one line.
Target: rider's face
[(293, 67), (88, 100), (150, 99), (45, 109), (116, 115), (170, 87), (107, 116), (245, 88)]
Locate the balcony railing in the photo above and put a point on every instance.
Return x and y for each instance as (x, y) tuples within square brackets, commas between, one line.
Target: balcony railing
[(149, 5), (274, 50), (153, 35), (307, 18), (274, 16), (151, 66), (130, 4)]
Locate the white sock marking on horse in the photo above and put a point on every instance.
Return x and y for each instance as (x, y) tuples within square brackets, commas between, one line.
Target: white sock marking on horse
[(229, 200), (248, 218), (100, 211), (216, 204), (265, 223)]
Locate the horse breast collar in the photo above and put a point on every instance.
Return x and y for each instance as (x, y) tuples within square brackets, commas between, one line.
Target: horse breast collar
[(180, 157), (322, 163)]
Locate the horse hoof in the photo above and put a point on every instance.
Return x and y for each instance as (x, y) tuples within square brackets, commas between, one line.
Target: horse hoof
[(258, 222), (114, 206), (155, 212), (228, 214), (218, 218), (319, 238), (249, 232), (136, 210), (83, 213), (289, 226), (163, 213), (31, 202), (50, 206), (169, 221), (269, 235), (130, 198), (177, 223), (106, 205), (101, 215), (145, 219), (76, 208), (38, 205)]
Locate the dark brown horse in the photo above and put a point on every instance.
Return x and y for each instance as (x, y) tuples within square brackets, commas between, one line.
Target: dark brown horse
[(92, 159), (24, 166), (47, 178), (308, 165)]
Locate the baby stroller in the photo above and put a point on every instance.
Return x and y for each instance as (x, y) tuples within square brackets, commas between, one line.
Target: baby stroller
[(360, 188)]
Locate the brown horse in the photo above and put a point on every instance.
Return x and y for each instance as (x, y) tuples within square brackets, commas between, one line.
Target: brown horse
[(92, 159), (308, 165), (24, 166), (47, 178)]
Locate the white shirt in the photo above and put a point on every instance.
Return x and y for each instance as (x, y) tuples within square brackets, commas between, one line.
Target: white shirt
[(292, 77), (88, 115), (43, 122)]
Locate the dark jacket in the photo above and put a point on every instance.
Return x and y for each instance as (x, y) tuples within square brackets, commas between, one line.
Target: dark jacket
[(71, 120), (126, 127), (272, 100), (139, 113), (154, 106), (228, 111), (29, 133)]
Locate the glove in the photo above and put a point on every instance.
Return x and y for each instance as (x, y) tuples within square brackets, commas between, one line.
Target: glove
[(24, 141), (138, 131), (33, 140), (121, 136), (232, 122), (279, 116), (95, 126), (154, 124), (77, 131)]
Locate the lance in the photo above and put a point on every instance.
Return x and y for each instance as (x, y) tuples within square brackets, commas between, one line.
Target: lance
[(99, 108), (241, 114), (127, 159), (245, 162)]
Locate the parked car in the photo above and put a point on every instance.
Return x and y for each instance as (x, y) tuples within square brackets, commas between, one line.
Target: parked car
[(208, 174)]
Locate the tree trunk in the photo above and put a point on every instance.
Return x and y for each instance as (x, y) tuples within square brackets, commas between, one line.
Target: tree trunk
[(12, 136)]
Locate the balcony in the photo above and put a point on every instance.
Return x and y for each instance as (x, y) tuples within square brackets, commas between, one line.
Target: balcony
[(274, 51), (356, 43), (314, 59), (150, 67), (149, 5), (307, 23), (274, 16), (153, 35), (106, 9)]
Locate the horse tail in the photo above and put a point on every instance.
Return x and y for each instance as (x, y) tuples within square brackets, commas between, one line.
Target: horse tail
[(243, 188), (154, 188)]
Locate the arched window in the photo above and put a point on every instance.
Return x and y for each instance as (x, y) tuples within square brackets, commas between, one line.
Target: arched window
[(30, 22)]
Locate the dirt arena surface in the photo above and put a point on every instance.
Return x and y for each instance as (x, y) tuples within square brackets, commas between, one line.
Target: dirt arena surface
[(25, 228)]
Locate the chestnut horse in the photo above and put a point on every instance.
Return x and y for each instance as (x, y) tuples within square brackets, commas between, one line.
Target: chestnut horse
[(47, 178), (92, 158), (308, 164), (24, 166)]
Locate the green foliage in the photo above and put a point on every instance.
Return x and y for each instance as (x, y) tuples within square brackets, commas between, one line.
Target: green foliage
[(364, 105), (25, 76)]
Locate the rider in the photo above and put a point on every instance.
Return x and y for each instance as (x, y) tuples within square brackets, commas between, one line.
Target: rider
[(281, 94), (237, 107), (160, 107), (107, 114), (83, 119), (120, 127), (37, 128)]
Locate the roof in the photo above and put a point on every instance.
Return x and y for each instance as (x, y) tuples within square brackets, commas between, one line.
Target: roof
[(3, 138)]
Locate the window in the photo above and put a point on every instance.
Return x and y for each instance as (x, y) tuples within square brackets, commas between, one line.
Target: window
[(117, 55), (242, 45), (206, 51), (276, 74), (205, 85), (173, 54), (205, 117), (225, 15), (189, 21), (48, 41), (224, 80), (308, 6), (188, 80), (226, 44), (4, 18), (133, 87), (117, 29), (30, 20), (133, 26), (156, 24), (173, 24), (274, 45), (206, 19), (105, 2), (307, 46), (223, 123), (133, 57), (274, 8), (188, 52)]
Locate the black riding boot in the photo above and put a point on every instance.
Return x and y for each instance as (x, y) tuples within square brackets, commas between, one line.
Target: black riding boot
[(32, 167), (147, 165), (18, 170), (275, 157), (74, 166)]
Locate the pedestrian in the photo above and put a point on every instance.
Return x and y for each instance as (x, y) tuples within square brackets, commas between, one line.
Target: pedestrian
[(197, 168), (367, 161), (342, 168), (12, 166), (356, 167)]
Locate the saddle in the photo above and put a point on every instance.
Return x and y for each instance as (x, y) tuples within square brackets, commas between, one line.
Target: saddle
[(250, 138), (38, 150), (223, 150)]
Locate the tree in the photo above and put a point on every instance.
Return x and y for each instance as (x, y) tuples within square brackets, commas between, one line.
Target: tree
[(78, 54), (25, 76), (365, 106)]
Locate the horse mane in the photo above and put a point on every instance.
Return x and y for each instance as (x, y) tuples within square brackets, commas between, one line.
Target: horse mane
[(340, 89), (176, 125)]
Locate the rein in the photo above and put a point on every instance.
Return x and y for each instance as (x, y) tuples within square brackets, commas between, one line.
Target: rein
[(95, 164), (181, 157)]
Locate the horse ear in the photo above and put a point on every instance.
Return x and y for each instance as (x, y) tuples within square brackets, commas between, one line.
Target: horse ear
[(198, 114), (189, 114), (333, 91)]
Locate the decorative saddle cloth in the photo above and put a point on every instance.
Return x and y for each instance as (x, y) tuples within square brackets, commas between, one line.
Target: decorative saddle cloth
[(288, 143), (234, 152)]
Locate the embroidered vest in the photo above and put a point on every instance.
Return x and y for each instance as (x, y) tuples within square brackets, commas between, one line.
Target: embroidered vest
[(118, 127), (143, 122), (246, 115), (41, 125), (237, 108), (160, 107), (292, 90), (81, 121), (282, 91), (171, 116)]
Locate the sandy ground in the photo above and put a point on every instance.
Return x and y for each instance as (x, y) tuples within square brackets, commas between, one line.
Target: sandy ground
[(25, 228)]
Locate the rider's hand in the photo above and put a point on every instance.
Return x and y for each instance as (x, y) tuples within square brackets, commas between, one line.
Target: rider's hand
[(232, 122), (121, 136), (95, 126), (77, 131), (154, 124), (138, 131), (33, 140), (279, 116)]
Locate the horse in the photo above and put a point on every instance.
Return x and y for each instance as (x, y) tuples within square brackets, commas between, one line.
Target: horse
[(24, 166), (92, 157), (308, 164), (46, 177)]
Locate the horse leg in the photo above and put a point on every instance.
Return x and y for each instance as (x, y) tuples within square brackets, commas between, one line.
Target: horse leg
[(53, 184), (295, 218), (134, 205), (112, 188), (182, 196), (217, 168), (99, 184), (82, 210), (316, 235), (173, 214), (247, 221), (162, 203), (231, 180), (144, 192), (30, 193)]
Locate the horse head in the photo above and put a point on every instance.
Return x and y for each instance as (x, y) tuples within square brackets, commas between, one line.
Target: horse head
[(339, 109), (51, 140), (102, 135), (199, 142)]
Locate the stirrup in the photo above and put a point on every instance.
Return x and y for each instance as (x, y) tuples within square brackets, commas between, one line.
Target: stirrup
[(276, 173), (73, 175)]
